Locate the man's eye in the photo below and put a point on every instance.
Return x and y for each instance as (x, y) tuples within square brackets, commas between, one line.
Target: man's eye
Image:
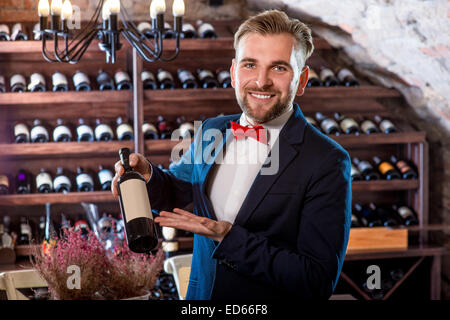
[(280, 68), (249, 65)]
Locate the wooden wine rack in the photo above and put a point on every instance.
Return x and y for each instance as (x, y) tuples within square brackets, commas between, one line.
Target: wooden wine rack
[(367, 100)]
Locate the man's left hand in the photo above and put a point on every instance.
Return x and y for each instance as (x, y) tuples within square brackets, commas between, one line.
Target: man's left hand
[(184, 220)]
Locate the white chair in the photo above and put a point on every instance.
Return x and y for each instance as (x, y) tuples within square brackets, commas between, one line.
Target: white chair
[(180, 268), (20, 279)]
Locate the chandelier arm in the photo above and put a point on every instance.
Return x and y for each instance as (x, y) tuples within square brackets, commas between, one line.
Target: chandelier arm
[(139, 49), (44, 49), (81, 43), (56, 52), (177, 51), (142, 45), (126, 20), (78, 54)]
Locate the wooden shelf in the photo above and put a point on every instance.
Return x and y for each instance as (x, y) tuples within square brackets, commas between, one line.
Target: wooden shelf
[(43, 198), (411, 251)]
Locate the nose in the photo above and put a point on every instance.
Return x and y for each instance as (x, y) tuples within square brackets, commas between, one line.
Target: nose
[(263, 79)]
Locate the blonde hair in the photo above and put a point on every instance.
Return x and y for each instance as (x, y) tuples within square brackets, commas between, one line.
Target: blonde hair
[(277, 22)]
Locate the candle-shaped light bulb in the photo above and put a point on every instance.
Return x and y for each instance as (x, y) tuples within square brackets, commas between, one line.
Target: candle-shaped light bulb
[(66, 10), (114, 6), (105, 10), (178, 8), (43, 8), (56, 7)]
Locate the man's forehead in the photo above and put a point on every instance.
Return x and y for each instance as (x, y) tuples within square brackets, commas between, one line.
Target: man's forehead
[(254, 45)]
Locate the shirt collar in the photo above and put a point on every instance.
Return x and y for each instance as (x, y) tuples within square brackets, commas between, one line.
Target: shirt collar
[(276, 123)]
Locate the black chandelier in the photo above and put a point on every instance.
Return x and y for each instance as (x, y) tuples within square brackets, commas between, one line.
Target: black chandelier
[(149, 46)]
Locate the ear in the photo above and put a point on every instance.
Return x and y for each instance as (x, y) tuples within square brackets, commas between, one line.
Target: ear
[(303, 81), (232, 69)]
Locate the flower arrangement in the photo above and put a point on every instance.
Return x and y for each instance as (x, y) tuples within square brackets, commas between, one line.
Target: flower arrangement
[(104, 274)]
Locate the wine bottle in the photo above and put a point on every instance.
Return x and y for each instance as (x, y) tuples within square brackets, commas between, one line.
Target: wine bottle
[(312, 122), (355, 174), (328, 125), (38, 133), (17, 83), (146, 29), (82, 226), (85, 183), (368, 127), (170, 243), (150, 132), (105, 224), (105, 81), (387, 219), (44, 182), (123, 81), (60, 82), (4, 32), (61, 133), (105, 178), (386, 169), (405, 169), (41, 228), (5, 237), (17, 33), (188, 31), (385, 125), (165, 80), (206, 30), (84, 131), (2, 84), (164, 130), (61, 183), (348, 125), (4, 184), (103, 131), (37, 83), (224, 78), (370, 216), (81, 81), (355, 223), (346, 78), (37, 32), (135, 208), (21, 133), (407, 215), (168, 33), (124, 131), (313, 79), (186, 128), (187, 79), (327, 77), (23, 184), (148, 80), (366, 169), (65, 223), (207, 79), (25, 234)]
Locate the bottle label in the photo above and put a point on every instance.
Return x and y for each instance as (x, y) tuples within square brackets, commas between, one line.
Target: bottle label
[(25, 229), (4, 29), (386, 125), (102, 128), (60, 180), (136, 203), (169, 246), (355, 219), (185, 128), (38, 130), (21, 128), (163, 75), (311, 121), (185, 75), (328, 124), (325, 73), (4, 181), (367, 125), (36, 79), (403, 166), (188, 27), (2, 80), (61, 130), (347, 123), (167, 25), (223, 75), (122, 129), (79, 78), (144, 26), (385, 167), (17, 79), (59, 79), (364, 165), (84, 129), (405, 212), (148, 127), (312, 74), (205, 73), (353, 170), (121, 76), (16, 29), (105, 175), (343, 73), (43, 178), (147, 75), (84, 178), (205, 27), (169, 233)]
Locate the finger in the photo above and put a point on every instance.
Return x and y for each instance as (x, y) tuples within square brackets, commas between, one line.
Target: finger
[(134, 160), (172, 215), (185, 213), (119, 168), (114, 188)]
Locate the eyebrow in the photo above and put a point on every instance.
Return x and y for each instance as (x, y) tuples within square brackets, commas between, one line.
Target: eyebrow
[(277, 62)]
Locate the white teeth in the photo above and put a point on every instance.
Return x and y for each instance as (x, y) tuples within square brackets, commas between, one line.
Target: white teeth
[(260, 96)]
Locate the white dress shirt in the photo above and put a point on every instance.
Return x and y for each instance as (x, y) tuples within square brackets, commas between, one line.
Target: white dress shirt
[(230, 181)]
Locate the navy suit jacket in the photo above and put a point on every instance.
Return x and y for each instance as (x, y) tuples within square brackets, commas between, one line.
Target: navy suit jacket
[(289, 237)]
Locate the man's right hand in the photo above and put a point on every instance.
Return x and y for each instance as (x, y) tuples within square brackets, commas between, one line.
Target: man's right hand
[(138, 163)]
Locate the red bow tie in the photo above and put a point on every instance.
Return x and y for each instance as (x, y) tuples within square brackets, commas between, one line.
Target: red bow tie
[(257, 132)]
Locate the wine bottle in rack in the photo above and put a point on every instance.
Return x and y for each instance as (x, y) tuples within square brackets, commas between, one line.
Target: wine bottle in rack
[(4, 184), (313, 79), (354, 173), (105, 177), (65, 223), (4, 32), (135, 208), (385, 125), (355, 222), (186, 128), (17, 83), (357, 212), (387, 219), (347, 78), (2, 84), (386, 169), (18, 33), (84, 131), (25, 234), (124, 131), (327, 77), (407, 215), (348, 125), (23, 182), (148, 80), (369, 215), (82, 226), (207, 79), (81, 81), (37, 32), (168, 33), (38, 133), (146, 29), (164, 130), (85, 183), (37, 83), (368, 127), (405, 169), (104, 81), (21, 133), (59, 82), (224, 78), (61, 133), (44, 183), (165, 80), (123, 81), (103, 131), (149, 131), (41, 228), (366, 169), (61, 183), (328, 125), (170, 243), (187, 79), (6, 238), (188, 31), (206, 30)]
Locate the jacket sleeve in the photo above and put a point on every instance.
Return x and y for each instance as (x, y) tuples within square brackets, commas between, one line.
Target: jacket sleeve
[(313, 270)]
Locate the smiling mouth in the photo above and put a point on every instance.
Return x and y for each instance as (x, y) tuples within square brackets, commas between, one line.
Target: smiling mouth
[(261, 96)]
